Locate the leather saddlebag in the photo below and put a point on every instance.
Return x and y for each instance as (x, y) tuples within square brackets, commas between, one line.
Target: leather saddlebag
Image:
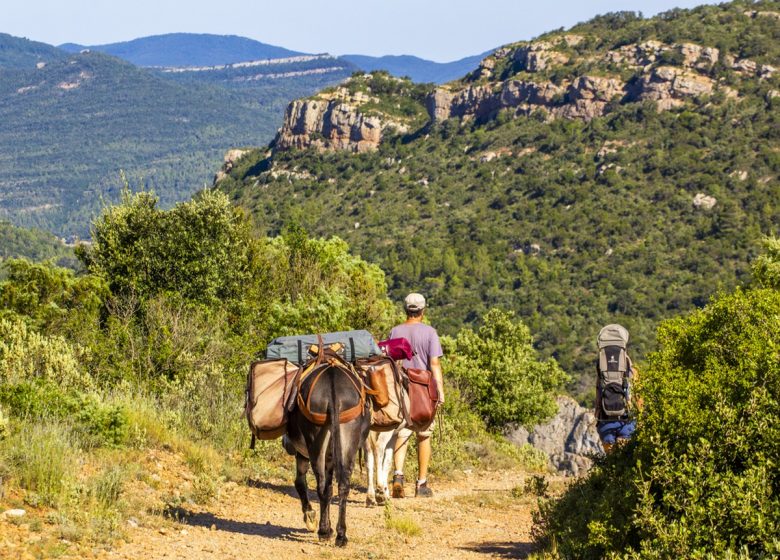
[(269, 385), (390, 415), (423, 396), (378, 383)]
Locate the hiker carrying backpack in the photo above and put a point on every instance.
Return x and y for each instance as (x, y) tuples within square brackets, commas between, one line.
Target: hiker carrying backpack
[(613, 390)]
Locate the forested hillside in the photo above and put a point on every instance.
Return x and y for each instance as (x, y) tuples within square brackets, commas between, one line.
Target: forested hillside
[(69, 126), (622, 170), (36, 245), (16, 52)]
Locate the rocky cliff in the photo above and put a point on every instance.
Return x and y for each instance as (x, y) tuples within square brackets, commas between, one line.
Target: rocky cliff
[(569, 439), (542, 76), (350, 117)]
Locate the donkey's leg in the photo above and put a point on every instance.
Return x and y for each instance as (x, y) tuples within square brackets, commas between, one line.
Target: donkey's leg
[(325, 491), (324, 472), (302, 466), (350, 437), (385, 446), (370, 448)]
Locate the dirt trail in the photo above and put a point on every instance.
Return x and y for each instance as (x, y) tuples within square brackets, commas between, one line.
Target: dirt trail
[(473, 517)]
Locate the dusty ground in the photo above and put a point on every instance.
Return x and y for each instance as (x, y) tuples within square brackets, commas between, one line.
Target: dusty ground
[(473, 516)]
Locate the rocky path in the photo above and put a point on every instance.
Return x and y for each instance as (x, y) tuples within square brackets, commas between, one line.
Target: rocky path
[(476, 516)]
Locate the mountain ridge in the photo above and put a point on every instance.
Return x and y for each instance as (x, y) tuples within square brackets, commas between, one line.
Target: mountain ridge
[(20, 53), (187, 49), (418, 69)]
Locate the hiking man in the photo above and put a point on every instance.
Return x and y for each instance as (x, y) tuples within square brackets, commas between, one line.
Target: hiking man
[(613, 390), (427, 351)]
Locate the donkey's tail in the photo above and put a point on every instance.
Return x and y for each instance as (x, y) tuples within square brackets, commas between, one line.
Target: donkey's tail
[(335, 427)]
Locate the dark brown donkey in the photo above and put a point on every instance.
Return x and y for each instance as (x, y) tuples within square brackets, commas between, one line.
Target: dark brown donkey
[(326, 428)]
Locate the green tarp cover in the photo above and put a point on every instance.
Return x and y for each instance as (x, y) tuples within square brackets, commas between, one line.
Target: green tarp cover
[(357, 344)]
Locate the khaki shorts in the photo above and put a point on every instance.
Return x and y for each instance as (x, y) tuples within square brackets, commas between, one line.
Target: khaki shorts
[(406, 433)]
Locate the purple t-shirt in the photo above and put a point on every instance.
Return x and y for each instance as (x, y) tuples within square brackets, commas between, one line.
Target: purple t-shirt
[(425, 343)]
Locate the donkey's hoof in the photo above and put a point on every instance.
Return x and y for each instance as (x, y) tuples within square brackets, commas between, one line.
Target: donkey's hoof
[(310, 518), (341, 540), (371, 502), (381, 499), (326, 536)]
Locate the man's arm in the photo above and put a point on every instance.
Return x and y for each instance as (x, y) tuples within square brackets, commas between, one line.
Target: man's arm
[(436, 370)]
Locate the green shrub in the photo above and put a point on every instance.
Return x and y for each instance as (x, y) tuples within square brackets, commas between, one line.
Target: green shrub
[(700, 476), (97, 423), (766, 268), (54, 300), (498, 372), (26, 355)]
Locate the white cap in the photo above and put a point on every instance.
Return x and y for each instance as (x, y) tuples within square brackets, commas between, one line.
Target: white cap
[(414, 302)]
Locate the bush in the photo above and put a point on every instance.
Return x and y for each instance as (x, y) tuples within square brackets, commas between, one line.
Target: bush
[(497, 371), (700, 476), (26, 355), (201, 249)]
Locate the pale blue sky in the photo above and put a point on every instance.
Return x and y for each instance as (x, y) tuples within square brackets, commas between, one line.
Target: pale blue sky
[(440, 30)]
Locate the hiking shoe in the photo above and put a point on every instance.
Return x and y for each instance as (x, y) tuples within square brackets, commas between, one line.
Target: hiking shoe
[(422, 491), (398, 486)]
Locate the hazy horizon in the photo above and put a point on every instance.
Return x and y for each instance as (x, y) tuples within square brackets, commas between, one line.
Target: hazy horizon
[(434, 30)]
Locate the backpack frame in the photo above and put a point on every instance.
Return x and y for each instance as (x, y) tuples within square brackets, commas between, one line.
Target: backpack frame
[(614, 367)]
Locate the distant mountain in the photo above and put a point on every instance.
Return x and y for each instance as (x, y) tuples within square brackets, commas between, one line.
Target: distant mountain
[(256, 78), (418, 69), (68, 128), (187, 49), (70, 122), (16, 52)]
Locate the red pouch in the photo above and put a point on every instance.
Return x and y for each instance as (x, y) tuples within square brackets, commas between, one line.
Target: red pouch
[(397, 348)]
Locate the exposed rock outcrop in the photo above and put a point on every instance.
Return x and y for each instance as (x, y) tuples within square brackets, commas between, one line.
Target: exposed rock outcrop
[(585, 98), (569, 438), (334, 122), (669, 86), (515, 78), (231, 157), (588, 96), (537, 56), (704, 201)]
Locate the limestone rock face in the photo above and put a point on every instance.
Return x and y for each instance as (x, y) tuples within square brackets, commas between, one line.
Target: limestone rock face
[(328, 124), (537, 56), (569, 438), (669, 86), (667, 73), (516, 93), (703, 201), (439, 104), (585, 99), (472, 101), (589, 96), (231, 157)]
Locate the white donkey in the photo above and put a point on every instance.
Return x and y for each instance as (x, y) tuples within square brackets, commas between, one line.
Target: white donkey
[(385, 426)]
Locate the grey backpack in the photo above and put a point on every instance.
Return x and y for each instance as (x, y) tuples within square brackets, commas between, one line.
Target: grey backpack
[(614, 369)]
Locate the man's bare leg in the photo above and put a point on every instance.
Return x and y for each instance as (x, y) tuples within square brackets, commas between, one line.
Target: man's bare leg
[(423, 456)]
